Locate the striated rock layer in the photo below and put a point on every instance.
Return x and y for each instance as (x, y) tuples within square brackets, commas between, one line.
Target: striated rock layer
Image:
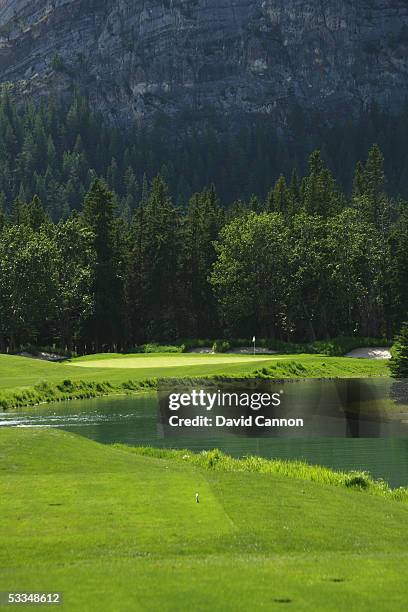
[(193, 58)]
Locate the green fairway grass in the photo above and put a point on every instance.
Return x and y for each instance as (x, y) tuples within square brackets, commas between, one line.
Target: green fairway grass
[(115, 530)]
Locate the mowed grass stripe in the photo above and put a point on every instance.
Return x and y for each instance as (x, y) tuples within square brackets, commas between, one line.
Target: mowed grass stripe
[(96, 501)]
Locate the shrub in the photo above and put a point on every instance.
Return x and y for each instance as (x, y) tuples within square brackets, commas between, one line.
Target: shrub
[(221, 346), (212, 458), (359, 480), (152, 347), (65, 386), (195, 343)]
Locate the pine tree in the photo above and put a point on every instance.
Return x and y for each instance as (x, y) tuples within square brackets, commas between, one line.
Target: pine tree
[(359, 181), (369, 197), (237, 209), (51, 152), (132, 188), (255, 204), (2, 211), (160, 252), (98, 215), (398, 242), (202, 223), (280, 196), (374, 171), (269, 205), (76, 266), (399, 361), (319, 191), (34, 215), (135, 267), (17, 212), (294, 194)]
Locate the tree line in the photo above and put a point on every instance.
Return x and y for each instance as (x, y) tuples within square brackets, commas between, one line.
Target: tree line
[(306, 262)]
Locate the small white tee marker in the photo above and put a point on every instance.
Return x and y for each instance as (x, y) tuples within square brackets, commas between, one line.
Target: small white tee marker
[(197, 499)]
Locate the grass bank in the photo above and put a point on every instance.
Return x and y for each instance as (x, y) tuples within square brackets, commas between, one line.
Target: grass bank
[(117, 530), (46, 392), (219, 461), (26, 382)]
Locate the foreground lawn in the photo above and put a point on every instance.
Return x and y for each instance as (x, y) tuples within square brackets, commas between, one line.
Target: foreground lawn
[(114, 530)]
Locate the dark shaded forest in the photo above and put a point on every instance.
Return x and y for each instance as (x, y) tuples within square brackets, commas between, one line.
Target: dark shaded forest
[(97, 253), (55, 151)]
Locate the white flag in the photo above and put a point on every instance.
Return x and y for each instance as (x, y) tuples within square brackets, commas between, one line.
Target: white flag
[(253, 339)]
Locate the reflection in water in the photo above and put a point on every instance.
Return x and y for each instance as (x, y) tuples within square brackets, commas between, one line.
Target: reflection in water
[(344, 408), (359, 394), (133, 421)]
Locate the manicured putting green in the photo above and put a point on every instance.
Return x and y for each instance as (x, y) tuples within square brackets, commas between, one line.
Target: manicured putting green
[(168, 361)]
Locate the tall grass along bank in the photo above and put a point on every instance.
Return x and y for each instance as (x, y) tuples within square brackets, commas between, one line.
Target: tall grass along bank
[(219, 461)]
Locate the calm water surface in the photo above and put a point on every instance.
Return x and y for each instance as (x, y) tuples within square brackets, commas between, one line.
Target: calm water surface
[(133, 421)]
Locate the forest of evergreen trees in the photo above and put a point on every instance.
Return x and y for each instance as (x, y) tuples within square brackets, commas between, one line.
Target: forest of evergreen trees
[(306, 262), (54, 150), (95, 255)]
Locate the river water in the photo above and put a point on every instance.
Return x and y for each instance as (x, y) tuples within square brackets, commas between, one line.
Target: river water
[(133, 420)]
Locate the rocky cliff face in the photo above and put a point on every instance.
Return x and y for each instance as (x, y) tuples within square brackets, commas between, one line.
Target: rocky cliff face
[(188, 58)]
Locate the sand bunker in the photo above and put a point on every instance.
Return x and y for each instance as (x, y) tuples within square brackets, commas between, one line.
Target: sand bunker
[(370, 353), (44, 356)]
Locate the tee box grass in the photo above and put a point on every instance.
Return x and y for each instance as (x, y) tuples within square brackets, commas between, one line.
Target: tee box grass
[(115, 530)]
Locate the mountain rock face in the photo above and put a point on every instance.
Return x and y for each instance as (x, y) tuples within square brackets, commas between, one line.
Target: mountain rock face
[(194, 58)]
